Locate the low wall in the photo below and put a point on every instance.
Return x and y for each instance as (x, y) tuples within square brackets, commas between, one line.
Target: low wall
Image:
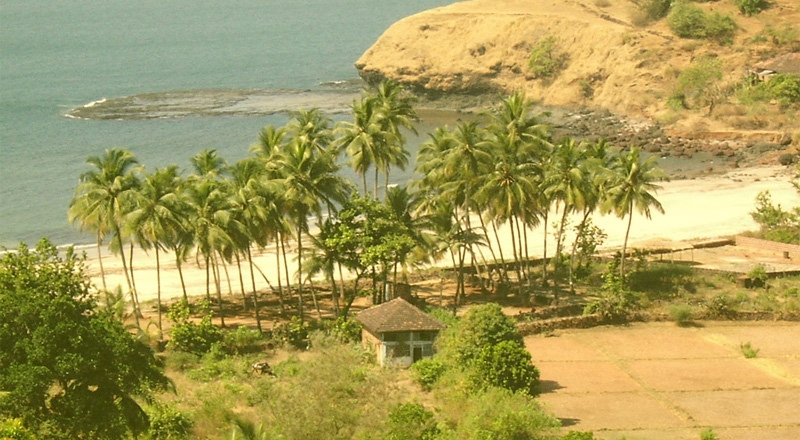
[(767, 245)]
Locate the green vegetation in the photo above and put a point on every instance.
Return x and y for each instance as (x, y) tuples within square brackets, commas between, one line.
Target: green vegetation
[(698, 85), (546, 60), (748, 351), (775, 223), (708, 434), (67, 369), (751, 7), (689, 21)]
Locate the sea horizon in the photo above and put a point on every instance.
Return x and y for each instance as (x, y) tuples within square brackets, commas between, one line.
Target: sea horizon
[(58, 56)]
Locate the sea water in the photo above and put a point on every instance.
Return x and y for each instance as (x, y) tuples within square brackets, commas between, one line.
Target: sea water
[(57, 55)]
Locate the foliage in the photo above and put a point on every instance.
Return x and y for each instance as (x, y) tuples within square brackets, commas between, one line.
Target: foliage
[(615, 300), (775, 223), (507, 365), (499, 414), (189, 336), (588, 240), (681, 314), (719, 306), (168, 423), (481, 327), (14, 429), (708, 434), (242, 340), (658, 9), (784, 87), (293, 333), (345, 330), (784, 36), (67, 369), (751, 7), (578, 435), (697, 84), (411, 421), (546, 59), (758, 274), (689, 21), (428, 371), (748, 351)]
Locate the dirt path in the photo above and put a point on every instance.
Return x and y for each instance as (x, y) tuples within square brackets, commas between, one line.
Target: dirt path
[(657, 381)]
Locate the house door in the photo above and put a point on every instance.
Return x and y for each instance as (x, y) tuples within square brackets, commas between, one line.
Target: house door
[(417, 354)]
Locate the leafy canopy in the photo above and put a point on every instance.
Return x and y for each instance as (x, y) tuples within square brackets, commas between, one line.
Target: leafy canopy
[(67, 369)]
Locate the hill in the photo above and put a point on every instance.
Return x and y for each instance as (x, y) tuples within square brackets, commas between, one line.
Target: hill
[(614, 57)]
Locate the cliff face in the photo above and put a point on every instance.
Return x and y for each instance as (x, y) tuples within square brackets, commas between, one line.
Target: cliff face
[(480, 46)]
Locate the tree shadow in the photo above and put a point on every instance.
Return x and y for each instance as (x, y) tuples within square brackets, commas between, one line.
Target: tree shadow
[(548, 386)]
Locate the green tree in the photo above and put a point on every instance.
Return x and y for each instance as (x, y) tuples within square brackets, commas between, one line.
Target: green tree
[(102, 200), (156, 217), (632, 187), (411, 421), (66, 368)]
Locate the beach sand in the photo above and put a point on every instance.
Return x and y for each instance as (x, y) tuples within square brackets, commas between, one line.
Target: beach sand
[(695, 209)]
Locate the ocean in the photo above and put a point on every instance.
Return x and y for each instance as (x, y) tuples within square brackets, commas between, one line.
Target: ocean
[(59, 55)]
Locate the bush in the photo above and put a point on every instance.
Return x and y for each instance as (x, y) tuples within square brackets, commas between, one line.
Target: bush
[(681, 314), (242, 340), (719, 306), (784, 87), (294, 333), (708, 434), (482, 326), (411, 421), (748, 351), (167, 423), (499, 414), (505, 365), (13, 429), (546, 60), (188, 336), (428, 371), (345, 330), (578, 435), (751, 7), (689, 21)]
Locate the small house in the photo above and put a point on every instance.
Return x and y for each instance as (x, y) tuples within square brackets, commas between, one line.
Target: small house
[(399, 332), (786, 63)]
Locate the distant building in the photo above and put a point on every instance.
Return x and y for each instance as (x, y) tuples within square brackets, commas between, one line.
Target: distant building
[(399, 332), (787, 63)]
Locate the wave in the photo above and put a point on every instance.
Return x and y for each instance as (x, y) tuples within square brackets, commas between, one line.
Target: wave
[(216, 102)]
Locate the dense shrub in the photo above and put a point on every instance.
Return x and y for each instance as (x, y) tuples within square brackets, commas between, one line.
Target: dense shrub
[(411, 421), (784, 87), (482, 326), (13, 429), (293, 333), (505, 365), (689, 21), (751, 7), (546, 60), (167, 423), (242, 340), (191, 337), (499, 414), (428, 371)]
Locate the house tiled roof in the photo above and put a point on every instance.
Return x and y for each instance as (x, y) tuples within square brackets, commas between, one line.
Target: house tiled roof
[(788, 63), (397, 315)]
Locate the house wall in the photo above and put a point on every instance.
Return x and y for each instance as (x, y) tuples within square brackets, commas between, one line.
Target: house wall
[(372, 343)]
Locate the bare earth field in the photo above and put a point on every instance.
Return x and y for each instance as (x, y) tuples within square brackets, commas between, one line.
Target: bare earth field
[(657, 381)]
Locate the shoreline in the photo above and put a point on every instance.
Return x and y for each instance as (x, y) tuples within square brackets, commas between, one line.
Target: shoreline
[(696, 209)]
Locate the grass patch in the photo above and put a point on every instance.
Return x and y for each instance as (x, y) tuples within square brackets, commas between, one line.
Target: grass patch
[(748, 351)]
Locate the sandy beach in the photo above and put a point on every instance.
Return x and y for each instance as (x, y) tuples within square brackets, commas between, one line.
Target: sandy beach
[(695, 209)]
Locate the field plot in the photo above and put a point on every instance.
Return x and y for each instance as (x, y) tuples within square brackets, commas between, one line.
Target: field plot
[(657, 381)]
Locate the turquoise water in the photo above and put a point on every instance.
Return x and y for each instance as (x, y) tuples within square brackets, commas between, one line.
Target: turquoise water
[(58, 55)]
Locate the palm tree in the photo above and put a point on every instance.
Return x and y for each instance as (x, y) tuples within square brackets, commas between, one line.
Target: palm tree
[(365, 137), (156, 217), (101, 201), (210, 216), (398, 113), (308, 180), (632, 186), (566, 182)]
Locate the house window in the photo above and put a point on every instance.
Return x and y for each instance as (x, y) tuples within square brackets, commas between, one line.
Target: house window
[(396, 337), (401, 350), (424, 336)]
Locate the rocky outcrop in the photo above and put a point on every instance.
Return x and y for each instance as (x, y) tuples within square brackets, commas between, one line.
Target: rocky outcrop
[(483, 46)]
